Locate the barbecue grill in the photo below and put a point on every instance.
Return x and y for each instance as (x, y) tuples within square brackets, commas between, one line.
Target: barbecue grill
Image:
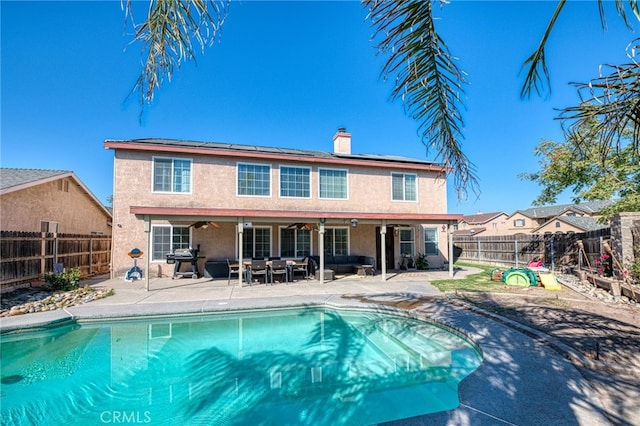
[(180, 256)]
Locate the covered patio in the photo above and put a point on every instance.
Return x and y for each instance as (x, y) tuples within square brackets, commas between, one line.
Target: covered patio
[(221, 235)]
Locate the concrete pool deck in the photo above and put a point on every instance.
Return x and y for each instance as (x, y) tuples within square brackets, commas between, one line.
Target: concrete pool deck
[(522, 380)]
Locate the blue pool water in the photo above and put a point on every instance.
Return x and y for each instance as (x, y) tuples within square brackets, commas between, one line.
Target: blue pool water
[(282, 367)]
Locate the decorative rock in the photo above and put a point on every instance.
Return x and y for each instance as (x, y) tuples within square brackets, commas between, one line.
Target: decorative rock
[(25, 302)]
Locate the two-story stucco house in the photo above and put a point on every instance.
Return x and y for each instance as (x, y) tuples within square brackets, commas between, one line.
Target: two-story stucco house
[(484, 224), (242, 202), (546, 218)]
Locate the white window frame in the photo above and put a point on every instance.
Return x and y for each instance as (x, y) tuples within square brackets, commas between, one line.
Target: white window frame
[(173, 160), (268, 166), (412, 241), (308, 188), (404, 186), (518, 223), (435, 241), (333, 248), (253, 242), (346, 183), (153, 231), (295, 236)]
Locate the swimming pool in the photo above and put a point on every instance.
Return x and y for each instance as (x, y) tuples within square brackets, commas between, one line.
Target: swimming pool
[(282, 367)]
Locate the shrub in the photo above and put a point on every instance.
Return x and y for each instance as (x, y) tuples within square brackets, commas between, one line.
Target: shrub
[(421, 261), (65, 280)]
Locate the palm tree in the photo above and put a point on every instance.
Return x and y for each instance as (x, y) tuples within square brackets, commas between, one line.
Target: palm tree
[(425, 76)]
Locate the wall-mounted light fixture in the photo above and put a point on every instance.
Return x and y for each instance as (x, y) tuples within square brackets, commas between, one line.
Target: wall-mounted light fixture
[(396, 230), (444, 228), (354, 222)]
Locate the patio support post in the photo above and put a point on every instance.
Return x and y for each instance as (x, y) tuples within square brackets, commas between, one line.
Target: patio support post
[(240, 229), (450, 238), (147, 231), (383, 252), (321, 249)]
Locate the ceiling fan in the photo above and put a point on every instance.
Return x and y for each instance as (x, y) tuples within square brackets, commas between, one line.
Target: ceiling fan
[(307, 226), (205, 225)]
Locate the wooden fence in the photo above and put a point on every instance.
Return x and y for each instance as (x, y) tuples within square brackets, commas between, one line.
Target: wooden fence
[(516, 250), (26, 256)]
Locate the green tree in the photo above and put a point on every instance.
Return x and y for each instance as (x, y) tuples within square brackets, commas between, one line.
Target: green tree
[(577, 164), (426, 78)]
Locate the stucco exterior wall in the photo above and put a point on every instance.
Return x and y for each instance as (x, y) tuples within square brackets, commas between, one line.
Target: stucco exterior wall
[(214, 186), (56, 201)]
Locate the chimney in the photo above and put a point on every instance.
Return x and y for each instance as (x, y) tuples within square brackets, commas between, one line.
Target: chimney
[(342, 142)]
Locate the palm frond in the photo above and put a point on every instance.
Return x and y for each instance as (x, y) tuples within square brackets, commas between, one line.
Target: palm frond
[(168, 33), (426, 80), (538, 77), (537, 62), (613, 102)]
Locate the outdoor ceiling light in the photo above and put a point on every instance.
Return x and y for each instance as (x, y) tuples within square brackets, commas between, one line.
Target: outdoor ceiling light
[(354, 222)]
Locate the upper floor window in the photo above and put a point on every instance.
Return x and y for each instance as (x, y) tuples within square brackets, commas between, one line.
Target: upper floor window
[(295, 242), (171, 175), (333, 183), (558, 224), (430, 241), (403, 187), (518, 223), (166, 238), (336, 241), (254, 179), (294, 182)]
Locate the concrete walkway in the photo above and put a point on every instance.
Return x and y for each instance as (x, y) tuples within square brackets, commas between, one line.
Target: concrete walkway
[(522, 380)]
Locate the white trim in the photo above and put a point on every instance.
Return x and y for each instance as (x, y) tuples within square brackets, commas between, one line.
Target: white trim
[(280, 182), (404, 189), (280, 228), (171, 226), (245, 163), (153, 174), (320, 197), (253, 242)]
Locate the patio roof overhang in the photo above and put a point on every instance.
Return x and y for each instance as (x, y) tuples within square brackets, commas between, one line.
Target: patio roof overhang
[(333, 217)]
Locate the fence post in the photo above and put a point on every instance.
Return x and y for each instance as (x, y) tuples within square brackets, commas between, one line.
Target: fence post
[(553, 262), (43, 252), (90, 255), (515, 246), (479, 260)]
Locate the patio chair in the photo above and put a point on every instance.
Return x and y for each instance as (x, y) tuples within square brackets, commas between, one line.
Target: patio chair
[(279, 267), (301, 267), (257, 269), (233, 270)]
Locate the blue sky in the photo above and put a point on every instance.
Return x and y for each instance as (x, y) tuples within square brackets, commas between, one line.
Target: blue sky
[(289, 74)]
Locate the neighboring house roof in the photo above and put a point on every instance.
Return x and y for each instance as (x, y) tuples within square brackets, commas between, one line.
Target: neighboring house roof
[(583, 223), (12, 180), (589, 208), (481, 218), (253, 151), (16, 179), (469, 232)]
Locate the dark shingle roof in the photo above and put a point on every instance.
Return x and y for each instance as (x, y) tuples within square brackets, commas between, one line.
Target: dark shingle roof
[(15, 177), (272, 150), (584, 223)]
